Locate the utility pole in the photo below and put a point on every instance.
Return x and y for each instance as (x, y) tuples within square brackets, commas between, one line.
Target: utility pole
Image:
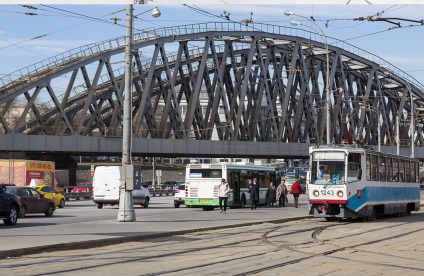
[(126, 205)]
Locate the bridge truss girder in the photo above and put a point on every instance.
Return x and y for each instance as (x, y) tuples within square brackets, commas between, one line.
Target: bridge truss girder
[(231, 85)]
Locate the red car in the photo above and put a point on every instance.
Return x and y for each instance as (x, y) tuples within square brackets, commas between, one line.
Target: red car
[(32, 201), (83, 187)]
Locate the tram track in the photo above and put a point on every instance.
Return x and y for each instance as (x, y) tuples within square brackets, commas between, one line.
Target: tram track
[(219, 240), (329, 253)]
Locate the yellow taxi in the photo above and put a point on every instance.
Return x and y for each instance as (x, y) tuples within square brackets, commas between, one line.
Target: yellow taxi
[(53, 194)]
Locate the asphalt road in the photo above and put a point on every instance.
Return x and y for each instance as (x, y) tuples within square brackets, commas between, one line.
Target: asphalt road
[(81, 225)]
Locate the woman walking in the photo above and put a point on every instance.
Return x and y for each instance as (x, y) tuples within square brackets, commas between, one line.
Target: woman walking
[(296, 190), (223, 191), (282, 194)]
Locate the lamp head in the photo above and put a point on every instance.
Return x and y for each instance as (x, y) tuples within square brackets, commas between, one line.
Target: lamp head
[(288, 13), (156, 12), (295, 23)]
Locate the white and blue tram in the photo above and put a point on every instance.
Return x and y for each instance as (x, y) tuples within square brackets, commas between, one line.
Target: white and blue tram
[(351, 181)]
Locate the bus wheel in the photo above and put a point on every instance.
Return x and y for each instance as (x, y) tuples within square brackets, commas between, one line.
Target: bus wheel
[(99, 205), (243, 202)]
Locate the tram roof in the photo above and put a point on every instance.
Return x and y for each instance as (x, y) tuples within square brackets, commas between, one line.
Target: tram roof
[(358, 147)]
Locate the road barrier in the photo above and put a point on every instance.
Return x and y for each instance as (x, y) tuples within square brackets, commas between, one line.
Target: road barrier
[(161, 192), (78, 196)]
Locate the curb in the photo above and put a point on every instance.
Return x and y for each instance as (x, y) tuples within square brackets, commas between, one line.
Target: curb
[(111, 241)]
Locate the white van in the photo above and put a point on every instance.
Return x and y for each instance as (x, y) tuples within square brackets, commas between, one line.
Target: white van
[(106, 182)]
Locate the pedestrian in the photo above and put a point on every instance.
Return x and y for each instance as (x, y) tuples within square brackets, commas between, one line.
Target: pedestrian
[(223, 191), (295, 190), (281, 194), (254, 195), (271, 195)]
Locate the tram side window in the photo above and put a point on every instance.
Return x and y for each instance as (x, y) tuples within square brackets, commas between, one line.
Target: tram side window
[(414, 172), (389, 169), (408, 171), (395, 170), (374, 168), (354, 167), (417, 172), (401, 170), (382, 167), (368, 167)]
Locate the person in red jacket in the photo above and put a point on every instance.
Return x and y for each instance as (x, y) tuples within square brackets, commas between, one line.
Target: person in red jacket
[(295, 190)]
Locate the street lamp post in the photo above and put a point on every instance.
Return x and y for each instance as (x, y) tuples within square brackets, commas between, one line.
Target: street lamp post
[(374, 109), (327, 86), (126, 206)]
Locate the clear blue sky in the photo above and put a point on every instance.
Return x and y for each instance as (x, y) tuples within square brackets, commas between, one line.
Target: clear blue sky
[(62, 27)]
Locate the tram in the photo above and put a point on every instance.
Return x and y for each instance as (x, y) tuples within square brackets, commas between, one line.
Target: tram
[(353, 181)]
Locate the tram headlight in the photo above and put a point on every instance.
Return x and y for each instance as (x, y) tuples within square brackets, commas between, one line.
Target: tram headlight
[(315, 193), (340, 193)]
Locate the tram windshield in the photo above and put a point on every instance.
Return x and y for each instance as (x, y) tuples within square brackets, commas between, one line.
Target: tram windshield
[(330, 167)]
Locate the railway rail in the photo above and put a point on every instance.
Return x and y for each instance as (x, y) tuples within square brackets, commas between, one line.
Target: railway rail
[(309, 245)]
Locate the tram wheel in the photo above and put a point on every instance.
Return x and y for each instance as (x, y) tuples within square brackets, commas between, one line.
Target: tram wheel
[(329, 219)]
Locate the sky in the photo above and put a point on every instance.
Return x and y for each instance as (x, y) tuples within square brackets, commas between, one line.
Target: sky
[(50, 29)]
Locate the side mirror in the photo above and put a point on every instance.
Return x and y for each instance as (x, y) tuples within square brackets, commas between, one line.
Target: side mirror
[(2, 189), (359, 176)]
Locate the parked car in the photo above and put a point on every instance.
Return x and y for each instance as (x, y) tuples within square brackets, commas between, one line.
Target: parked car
[(289, 182), (180, 193), (53, 194), (32, 201), (10, 206), (83, 187)]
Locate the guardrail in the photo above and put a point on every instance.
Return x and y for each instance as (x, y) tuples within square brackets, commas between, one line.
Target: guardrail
[(78, 196), (161, 192), (88, 195)]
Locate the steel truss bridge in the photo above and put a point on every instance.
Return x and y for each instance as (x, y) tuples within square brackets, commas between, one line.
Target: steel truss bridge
[(213, 89)]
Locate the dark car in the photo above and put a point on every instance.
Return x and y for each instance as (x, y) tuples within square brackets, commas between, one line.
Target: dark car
[(32, 201), (9, 206)]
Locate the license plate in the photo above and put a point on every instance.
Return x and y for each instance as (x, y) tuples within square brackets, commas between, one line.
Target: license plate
[(205, 200)]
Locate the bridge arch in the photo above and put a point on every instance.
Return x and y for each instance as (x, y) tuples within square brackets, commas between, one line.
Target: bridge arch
[(223, 81)]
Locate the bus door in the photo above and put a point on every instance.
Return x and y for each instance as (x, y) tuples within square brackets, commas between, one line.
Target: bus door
[(235, 183)]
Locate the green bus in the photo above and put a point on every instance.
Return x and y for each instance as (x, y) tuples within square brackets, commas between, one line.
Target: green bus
[(203, 180)]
